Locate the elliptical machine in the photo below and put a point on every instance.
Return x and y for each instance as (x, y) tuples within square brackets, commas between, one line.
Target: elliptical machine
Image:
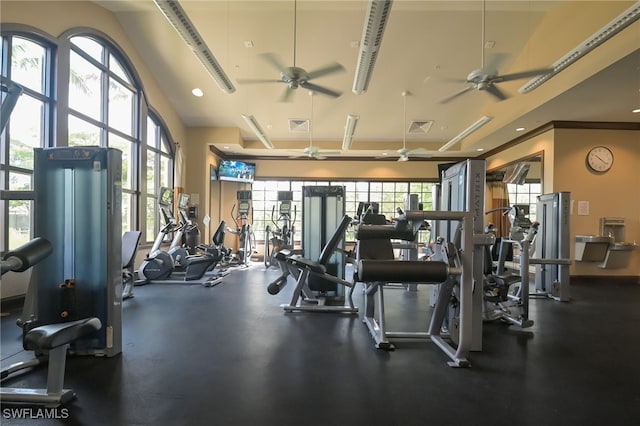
[(179, 252), (280, 237), (159, 265), (243, 230)]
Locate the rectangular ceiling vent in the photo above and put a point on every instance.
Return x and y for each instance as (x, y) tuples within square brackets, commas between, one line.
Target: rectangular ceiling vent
[(298, 125), (420, 126)]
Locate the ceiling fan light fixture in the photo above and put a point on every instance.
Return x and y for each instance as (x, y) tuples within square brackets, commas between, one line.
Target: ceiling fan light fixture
[(178, 18), (466, 132), (614, 27), (349, 130), (255, 127), (372, 32)]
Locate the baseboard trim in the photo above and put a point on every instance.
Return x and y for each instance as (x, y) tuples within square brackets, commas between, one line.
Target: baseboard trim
[(12, 303), (605, 279)]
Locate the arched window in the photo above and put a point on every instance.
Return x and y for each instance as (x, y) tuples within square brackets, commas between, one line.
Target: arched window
[(107, 108), (100, 101), (158, 171), (104, 110), (28, 61)]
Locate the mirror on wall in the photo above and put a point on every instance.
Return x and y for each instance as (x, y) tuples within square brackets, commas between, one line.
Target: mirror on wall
[(517, 183)]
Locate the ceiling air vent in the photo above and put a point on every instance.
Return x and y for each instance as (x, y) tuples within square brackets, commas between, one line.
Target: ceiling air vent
[(298, 125), (420, 126)]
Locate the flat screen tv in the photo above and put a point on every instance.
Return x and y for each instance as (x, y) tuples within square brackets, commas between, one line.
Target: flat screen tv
[(236, 171)]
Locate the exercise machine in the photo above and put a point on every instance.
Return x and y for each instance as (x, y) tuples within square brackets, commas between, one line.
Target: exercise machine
[(323, 210), (130, 241), (50, 342), (553, 247), (243, 229), (507, 294), (159, 264), (179, 251), (175, 265), (303, 270), (281, 235), (451, 325), (456, 319), (77, 196)]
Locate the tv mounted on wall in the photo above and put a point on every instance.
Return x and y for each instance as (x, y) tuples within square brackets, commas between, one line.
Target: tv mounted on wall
[(236, 171)]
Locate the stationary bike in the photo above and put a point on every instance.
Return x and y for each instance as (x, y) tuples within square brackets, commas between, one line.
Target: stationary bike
[(280, 236)]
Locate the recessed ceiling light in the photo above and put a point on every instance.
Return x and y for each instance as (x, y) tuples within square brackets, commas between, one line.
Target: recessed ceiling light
[(519, 129), (384, 153), (197, 92), (225, 147), (636, 110), (479, 149)]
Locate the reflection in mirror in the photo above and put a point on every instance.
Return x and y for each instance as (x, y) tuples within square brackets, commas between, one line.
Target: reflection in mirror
[(519, 183)]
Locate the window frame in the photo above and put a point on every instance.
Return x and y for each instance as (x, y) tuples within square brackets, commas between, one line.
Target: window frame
[(47, 119)]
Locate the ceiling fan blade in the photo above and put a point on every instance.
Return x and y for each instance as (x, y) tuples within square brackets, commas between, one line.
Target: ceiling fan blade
[(496, 92), (286, 95), (257, 80), (330, 152), (523, 74), (328, 69), (274, 60), (320, 89), (319, 157), (495, 61), (455, 95)]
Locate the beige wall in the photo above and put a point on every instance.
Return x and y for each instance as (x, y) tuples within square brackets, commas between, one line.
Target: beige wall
[(612, 194)]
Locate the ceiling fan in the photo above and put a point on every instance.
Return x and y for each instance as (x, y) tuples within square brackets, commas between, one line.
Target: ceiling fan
[(294, 76), (313, 152), (488, 76), (404, 153)]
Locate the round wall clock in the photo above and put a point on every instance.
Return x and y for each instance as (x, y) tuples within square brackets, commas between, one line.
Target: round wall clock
[(600, 159)]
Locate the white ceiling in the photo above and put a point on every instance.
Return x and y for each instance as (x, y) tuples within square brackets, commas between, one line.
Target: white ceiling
[(425, 44)]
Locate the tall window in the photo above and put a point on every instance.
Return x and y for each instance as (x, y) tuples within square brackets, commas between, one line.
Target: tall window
[(26, 61), (105, 108), (104, 111), (159, 171), (388, 195)]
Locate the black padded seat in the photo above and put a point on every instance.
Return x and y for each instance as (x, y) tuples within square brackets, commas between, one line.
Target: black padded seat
[(130, 240), (301, 262), (416, 271), (53, 335), (283, 254), (376, 232)]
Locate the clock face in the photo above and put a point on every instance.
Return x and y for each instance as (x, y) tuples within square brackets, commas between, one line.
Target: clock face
[(600, 159)]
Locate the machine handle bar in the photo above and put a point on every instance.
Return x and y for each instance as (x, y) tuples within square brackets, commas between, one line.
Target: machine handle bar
[(26, 255)]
